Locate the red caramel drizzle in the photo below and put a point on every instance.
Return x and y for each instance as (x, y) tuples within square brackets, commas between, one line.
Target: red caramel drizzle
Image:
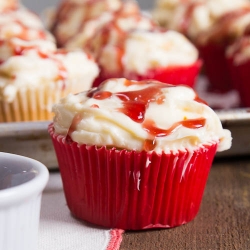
[(135, 104)]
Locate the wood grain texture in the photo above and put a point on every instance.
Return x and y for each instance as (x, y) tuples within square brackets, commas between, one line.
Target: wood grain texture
[(222, 223)]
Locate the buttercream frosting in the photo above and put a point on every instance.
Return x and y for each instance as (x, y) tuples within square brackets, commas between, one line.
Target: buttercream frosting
[(33, 68), (146, 115)]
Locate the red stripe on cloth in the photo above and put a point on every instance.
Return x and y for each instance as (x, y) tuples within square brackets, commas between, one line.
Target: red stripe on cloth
[(115, 240)]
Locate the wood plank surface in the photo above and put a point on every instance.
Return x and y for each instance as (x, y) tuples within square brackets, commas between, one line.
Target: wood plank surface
[(223, 221)]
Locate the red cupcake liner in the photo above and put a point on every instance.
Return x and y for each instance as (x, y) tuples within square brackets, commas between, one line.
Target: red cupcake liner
[(178, 75), (132, 190), (241, 80), (216, 68)]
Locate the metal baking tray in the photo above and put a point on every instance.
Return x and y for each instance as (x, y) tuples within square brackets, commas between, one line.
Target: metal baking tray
[(31, 139)]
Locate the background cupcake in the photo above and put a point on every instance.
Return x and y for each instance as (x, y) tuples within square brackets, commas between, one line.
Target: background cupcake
[(33, 80), (33, 72), (127, 43), (71, 15), (166, 56), (238, 58), (135, 155), (212, 26)]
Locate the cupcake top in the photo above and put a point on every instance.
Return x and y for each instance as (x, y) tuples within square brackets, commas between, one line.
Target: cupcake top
[(110, 26), (71, 15), (23, 24), (34, 68), (89, 30), (140, 115), (144, 50), (17, 46), (125, 20), (192, 17)]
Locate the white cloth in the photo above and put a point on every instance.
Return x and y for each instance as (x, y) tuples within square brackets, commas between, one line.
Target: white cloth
[(59, 230)]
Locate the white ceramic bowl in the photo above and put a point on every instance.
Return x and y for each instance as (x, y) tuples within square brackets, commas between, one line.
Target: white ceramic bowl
[(22, 181)]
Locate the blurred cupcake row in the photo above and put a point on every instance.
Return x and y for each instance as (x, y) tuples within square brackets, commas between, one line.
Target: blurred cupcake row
[(220, 31), (90, 41), (125, 42)]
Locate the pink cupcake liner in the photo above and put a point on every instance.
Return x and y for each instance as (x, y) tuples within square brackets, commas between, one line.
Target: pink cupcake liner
[(179, 75), (216, 69), (132, 190)]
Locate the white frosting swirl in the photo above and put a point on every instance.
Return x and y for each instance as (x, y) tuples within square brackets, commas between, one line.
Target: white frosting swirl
[(23, 24), (71, 16), (145, 50), (114, 115), (17, 46), (33, 68)]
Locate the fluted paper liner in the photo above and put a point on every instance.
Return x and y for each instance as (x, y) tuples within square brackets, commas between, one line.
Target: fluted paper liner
[(35, 103), (176, 75), (240, 78), (216, 69), (132, 190)]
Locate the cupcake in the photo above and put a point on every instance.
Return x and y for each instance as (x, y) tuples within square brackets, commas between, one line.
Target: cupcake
[(166, 56), (71, 16), (213, 43), (212, 25), (35, 77), (34, 74), (238, 58), (110, 26), (135, 154)]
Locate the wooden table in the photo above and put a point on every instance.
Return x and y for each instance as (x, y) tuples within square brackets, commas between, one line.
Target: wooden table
[(223, 221)]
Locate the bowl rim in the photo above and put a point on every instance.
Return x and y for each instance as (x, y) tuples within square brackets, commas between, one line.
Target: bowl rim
[(24, 191)]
